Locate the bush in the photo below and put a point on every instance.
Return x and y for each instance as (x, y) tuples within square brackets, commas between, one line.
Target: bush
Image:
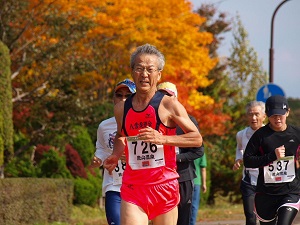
[(97, 182), (87, 191), (39, 152), (20, 141), (35, 200), (22, 165), (84, 192), (82, 142), (74, 162), (53, 165), (20, 168)]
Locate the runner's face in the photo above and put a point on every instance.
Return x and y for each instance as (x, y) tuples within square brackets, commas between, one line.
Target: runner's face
[(278, 122), (146, 73), (121, 95), (255, 117)]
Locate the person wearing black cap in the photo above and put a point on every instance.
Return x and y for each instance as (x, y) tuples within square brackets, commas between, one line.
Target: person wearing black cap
[(275, 150)]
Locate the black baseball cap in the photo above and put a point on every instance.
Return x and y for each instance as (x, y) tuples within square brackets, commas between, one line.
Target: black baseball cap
[(276, 105)]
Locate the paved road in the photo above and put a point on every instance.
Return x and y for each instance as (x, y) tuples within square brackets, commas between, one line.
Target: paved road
[(240, 222)]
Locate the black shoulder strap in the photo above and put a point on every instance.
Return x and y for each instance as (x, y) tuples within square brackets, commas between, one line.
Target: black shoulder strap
[(127, 106), (155, 101)]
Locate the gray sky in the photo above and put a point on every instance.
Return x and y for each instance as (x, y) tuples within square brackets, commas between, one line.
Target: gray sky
[(256, 16)]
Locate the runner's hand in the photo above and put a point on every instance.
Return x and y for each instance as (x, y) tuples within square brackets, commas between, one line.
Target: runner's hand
[(96, 162), (280, 152), (149, 134), (237, 164), (110, 163), (123, 158)]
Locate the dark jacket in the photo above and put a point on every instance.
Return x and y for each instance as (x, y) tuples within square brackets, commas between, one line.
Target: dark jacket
[(185, 158)]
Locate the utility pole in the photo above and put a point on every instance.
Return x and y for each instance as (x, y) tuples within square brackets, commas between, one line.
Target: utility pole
[(271, 75)]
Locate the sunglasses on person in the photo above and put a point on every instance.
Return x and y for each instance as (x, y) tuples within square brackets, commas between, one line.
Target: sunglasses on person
[(119, 95)]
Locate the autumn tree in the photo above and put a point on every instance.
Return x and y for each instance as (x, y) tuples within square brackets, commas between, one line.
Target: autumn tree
[(172, 27), (67, 56), (214, 118), (218, 24), (45, 56), (219, 117)]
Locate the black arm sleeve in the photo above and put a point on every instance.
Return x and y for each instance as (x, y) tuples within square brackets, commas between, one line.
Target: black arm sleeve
[(189, 154), (255, 155)]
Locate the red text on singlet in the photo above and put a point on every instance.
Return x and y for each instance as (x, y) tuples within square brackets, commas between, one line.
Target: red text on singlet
[(133, 122)]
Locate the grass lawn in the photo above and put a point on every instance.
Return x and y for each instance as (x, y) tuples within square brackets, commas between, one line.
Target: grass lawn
[(222, 210), (85, 215), (225, 211)]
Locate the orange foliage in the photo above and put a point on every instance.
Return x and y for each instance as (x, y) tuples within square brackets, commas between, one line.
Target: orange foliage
[(209, 114), (174, 29), (118, 27)]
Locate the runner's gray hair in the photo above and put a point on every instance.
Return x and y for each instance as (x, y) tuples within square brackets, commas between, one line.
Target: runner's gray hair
[(148, 49), (254, 104)]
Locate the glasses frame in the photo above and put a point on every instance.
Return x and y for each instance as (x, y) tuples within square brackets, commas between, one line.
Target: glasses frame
[(140, 70)]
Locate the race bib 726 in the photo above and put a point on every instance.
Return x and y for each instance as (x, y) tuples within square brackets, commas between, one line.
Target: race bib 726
[(143, 155)]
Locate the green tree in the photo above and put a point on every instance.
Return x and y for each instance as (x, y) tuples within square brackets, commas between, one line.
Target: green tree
[(245, 69), (246, 74), (239, 72), (6, 122), (294, 115)]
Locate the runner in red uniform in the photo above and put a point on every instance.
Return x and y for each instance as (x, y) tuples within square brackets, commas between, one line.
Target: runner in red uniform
[(146, 132)]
